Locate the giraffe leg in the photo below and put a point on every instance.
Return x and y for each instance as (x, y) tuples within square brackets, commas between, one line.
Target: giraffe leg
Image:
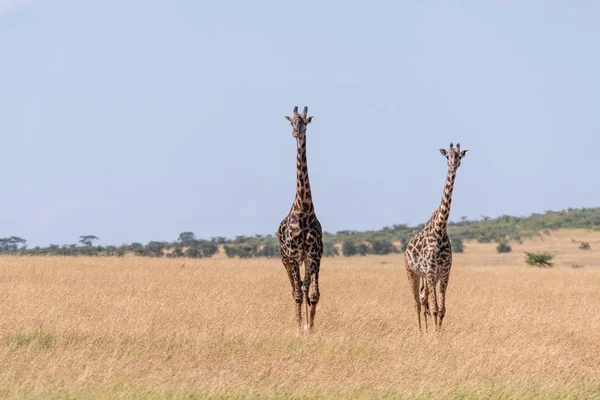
[(290, 271), (424, 294), (293, 271), (435, 296), (305, 287), (413, 282), (443, 286), (424, 302), (312, 270), (298, 295), (433, 306)]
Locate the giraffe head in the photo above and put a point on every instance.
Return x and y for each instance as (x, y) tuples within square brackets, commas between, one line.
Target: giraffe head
[(299, 122), (454, 155)]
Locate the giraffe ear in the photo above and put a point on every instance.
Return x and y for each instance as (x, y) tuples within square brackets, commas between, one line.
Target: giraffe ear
[(464, 153), (288, 118), (309, 120), (443, 151)]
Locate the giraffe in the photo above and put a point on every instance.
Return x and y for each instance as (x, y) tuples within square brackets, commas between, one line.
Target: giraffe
[(300, 234), (428, 255)]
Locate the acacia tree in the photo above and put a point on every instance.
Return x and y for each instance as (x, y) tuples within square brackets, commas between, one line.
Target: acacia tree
[(186, 238), (87, 240), (12, 244)]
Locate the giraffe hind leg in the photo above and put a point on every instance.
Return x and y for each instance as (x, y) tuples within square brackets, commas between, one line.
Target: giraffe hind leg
[(413, 281), (424, 295), (424, 302)]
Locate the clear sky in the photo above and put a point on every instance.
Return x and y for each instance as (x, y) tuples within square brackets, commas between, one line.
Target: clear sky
[(137, 120)]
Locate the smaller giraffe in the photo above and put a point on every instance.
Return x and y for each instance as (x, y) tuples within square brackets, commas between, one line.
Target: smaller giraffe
[(300, 234), (428, 255)]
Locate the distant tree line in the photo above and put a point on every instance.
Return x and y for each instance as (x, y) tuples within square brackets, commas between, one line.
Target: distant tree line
[(388, 240), (185, 246)]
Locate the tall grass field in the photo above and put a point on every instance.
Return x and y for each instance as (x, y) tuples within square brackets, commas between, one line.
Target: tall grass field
[(137, 328)]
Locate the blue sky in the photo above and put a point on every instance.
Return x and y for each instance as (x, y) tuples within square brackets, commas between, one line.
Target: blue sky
[(136, 120)]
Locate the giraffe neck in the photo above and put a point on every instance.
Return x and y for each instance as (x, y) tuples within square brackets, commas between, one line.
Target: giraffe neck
[(444, 209), (303, 201)]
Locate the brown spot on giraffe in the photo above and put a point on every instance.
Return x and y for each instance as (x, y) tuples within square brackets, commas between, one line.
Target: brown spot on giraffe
[(300, 233), (428, 255)]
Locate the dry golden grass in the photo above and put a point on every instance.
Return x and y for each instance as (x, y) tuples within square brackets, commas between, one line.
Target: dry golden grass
[(157, 328)]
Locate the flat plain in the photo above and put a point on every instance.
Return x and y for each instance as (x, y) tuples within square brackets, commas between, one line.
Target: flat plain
[(135, 327)]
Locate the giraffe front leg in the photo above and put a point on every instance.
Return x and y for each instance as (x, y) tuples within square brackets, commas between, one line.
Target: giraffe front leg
[(312, 271), (443, 286), (432, 300), (305, 287), (293, 270), (297, 291)]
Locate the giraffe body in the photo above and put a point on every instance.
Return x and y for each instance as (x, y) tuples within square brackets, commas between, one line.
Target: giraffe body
[(428, 254), (300, 233)]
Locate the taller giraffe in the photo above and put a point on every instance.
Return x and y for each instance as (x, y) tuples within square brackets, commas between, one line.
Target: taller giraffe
[(428, 255), (300, 234)]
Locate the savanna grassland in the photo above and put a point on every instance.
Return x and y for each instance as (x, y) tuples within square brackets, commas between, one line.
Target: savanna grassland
[(133, 327)]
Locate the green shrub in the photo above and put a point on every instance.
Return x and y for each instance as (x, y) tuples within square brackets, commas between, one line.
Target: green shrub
[(329, 249), (349, 248), (539, 259), (362, 249), (584, 246), (383, 246), (457, 245), (503, 247), (193, 252), (246, 250), (269, 249), (209, 249), (404, 245), (230, 250), (176, 253)]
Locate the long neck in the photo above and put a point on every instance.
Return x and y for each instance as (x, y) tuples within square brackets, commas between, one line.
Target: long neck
[(444, 209), (303, 201)]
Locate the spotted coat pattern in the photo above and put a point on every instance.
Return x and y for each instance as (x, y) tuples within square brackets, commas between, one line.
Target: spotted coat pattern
[(300, 233), (428, 255)]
